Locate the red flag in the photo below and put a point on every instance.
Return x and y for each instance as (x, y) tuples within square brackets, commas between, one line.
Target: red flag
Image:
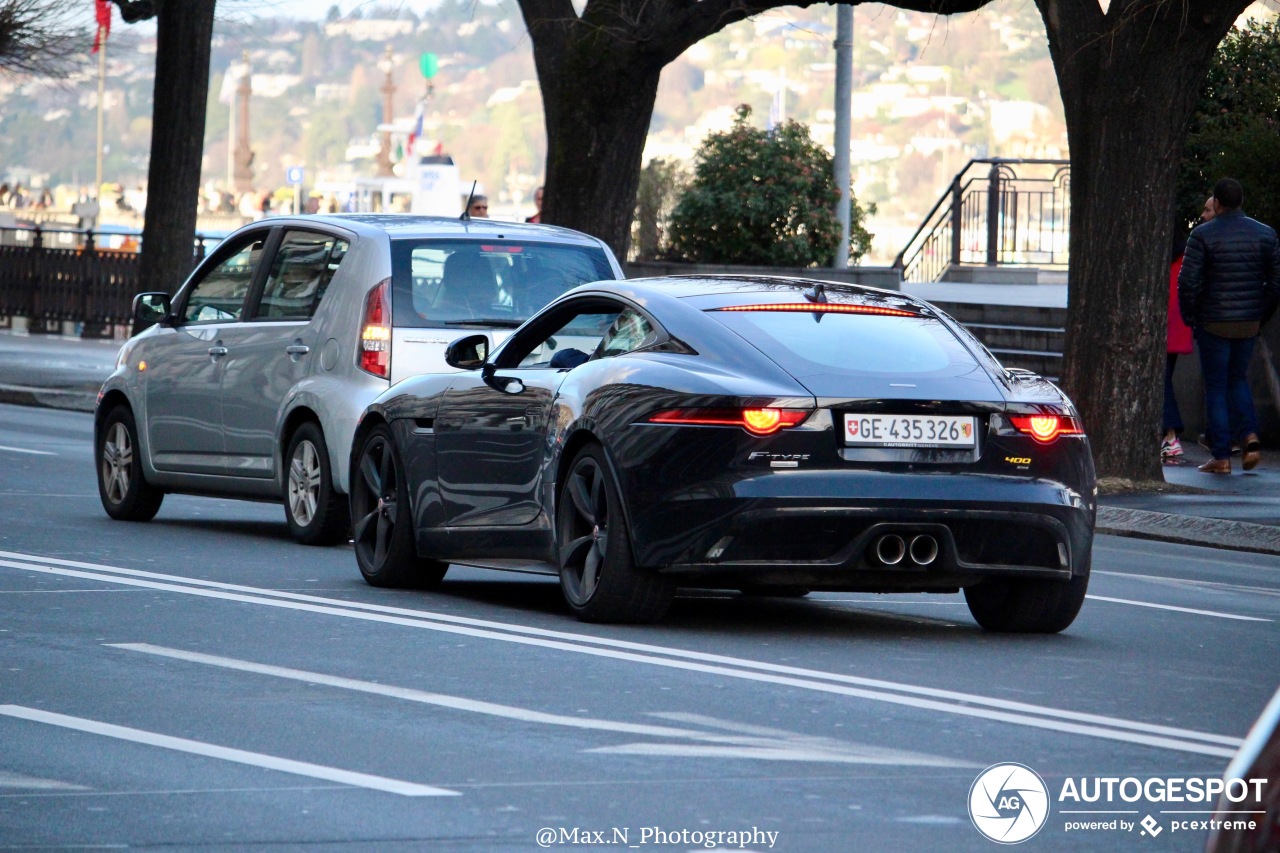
[(102, 8)]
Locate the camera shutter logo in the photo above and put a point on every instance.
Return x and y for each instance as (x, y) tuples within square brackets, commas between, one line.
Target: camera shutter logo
[(1008, 803)]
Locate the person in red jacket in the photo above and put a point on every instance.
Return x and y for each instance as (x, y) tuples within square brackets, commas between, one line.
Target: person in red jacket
[(1179, 342)]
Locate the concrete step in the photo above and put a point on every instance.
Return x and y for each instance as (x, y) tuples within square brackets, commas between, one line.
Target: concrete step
[(1030, 338), (1005, 315)]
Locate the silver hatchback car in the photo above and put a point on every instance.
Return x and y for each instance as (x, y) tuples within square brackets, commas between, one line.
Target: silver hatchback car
[(251, 380)]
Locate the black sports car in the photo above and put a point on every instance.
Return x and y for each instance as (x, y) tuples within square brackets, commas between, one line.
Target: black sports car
[(771, 435)]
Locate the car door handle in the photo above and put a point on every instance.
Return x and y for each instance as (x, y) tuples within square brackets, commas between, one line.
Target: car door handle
[(516, 424), (218, 352), (297, 349)]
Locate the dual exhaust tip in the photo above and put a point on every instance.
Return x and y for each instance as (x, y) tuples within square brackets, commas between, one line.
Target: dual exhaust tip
[(891, 549)]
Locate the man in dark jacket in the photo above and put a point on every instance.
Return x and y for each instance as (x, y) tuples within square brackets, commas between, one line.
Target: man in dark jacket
[(1229, 286)]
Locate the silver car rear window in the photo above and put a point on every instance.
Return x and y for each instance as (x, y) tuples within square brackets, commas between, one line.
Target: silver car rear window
[(441, 283)]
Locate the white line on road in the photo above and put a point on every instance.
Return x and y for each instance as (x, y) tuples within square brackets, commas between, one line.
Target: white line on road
[(782, 745), (239, 756), (1178, 609), (947, 701), (25, 450)]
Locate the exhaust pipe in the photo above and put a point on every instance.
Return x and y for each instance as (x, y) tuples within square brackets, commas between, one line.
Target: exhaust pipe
[(890, 549), (923, 550)]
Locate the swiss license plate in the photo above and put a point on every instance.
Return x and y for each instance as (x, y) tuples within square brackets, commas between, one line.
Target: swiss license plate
[(909, 431)]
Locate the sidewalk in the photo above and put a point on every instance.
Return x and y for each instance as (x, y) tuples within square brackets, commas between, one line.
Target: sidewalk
[(1239, 512)]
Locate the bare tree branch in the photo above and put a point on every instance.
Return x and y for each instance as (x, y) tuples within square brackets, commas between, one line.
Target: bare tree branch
[(42, 37)]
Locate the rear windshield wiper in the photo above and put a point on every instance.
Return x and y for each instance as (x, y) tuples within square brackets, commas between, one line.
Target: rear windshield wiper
[(501, 323)]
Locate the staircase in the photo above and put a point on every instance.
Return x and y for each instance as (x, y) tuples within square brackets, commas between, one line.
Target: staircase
[(1019, 336)]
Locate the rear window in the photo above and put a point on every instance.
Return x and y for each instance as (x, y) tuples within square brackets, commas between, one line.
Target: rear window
[(470, 282), (806, 343)]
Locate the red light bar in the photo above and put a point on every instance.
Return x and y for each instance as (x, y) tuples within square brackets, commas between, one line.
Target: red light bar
[(506, 250), (764, 421), (823, 308), (1045, 428)]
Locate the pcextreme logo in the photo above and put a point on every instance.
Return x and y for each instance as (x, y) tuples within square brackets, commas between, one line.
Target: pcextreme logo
[(1008, 803)]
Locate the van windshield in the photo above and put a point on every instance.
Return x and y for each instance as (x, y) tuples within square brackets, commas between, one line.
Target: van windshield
[(461, 283)]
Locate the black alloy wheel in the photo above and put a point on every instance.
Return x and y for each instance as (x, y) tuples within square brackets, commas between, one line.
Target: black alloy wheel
[(315, 512), (598, 574), (383, 533), (126, 495), (1027, 605)]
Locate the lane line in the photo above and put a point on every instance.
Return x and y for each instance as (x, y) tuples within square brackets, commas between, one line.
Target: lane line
[(238, 756), (1246, 559), (1177, 609), (25, 450), (750, 737), (956, 702), (1216, 586)]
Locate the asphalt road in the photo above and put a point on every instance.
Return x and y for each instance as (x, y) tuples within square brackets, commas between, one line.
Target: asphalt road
[(201, 682)]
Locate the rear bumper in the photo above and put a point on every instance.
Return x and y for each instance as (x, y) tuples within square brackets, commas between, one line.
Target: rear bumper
[(761, 532)]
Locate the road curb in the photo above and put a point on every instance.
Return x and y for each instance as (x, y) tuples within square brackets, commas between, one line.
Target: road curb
[(1189, 530), (78, 400)]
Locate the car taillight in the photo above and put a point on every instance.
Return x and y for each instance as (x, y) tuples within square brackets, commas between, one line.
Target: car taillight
[(1045, 428), (375, 331), (764, 421), (822, 308)]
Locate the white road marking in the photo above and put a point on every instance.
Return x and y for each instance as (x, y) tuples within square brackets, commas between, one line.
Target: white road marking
[(801, 748), (17, 780), (25, 450), (761, 753), (239, 756), (1215, 586), (1178, 609), (946, 701)]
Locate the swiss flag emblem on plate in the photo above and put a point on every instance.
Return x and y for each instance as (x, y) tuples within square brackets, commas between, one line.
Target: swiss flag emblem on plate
[(852, 428)]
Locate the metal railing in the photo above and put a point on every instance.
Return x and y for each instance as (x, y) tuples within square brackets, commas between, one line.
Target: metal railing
[(1001, 217), (54, 275)]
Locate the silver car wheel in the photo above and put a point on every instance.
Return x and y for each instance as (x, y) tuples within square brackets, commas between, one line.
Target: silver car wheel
[(304, 483), (117, 461)]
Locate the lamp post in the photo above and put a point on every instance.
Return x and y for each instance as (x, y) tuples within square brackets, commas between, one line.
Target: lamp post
[(386, 65)]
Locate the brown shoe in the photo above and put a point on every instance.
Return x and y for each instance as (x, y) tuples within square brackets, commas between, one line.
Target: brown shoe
[(1217, 466), (1252, 452)]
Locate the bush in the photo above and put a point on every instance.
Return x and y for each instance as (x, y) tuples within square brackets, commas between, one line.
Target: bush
[(763, 198), (1235, 131)]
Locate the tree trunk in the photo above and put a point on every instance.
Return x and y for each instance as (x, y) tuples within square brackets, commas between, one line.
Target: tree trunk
[(1129, 80), (184, 32)]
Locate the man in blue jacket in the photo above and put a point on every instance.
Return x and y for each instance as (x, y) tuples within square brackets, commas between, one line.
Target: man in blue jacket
[(1229, 286)]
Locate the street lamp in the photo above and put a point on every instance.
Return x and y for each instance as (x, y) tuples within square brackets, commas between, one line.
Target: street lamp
[(386, 65)]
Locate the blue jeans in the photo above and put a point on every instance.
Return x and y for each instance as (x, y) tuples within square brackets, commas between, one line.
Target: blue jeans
[(1172, 417), (1224, 363)]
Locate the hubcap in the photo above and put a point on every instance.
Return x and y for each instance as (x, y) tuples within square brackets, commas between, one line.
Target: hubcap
[(587, 533), (375, 503), (304, 483), (117, 463)]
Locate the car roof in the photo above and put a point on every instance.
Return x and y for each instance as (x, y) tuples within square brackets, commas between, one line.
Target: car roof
[(711, 291), (400, 226)]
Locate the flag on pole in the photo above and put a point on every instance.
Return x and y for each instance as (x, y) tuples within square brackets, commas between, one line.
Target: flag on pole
[(417, 129), (102, 9)]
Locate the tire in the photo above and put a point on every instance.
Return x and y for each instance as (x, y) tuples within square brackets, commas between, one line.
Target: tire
[(775, 591), (315, 512), (126, 495), (1027, 606), (598, 574), (384, 535)]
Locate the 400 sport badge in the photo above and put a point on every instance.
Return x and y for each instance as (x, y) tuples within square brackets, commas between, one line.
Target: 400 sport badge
[(1008, 803)]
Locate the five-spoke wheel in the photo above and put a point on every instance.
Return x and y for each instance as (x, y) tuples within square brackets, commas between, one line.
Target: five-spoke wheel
[(597, 569), (384, 540), (316, 513), (125, 493)]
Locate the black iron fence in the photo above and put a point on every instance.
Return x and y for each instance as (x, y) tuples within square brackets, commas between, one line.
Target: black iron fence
[(1010, 213), (50, 275)]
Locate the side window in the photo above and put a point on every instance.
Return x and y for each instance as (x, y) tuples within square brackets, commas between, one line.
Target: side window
[(300, 273), (630, 331), (219, 296), (574, 338)]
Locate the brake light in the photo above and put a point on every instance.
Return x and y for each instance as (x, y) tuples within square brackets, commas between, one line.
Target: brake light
[(375, 331), (823, 308), (764, 421), (1045, 428)]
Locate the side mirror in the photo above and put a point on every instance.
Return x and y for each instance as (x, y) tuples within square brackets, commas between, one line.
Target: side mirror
[(467, 353), (149, 308)]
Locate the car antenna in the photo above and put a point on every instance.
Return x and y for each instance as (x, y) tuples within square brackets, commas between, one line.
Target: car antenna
[(466, 211), (817, 293)]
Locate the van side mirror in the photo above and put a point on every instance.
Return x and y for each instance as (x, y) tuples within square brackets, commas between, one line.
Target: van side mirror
[(149, 308), (467, 353)]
